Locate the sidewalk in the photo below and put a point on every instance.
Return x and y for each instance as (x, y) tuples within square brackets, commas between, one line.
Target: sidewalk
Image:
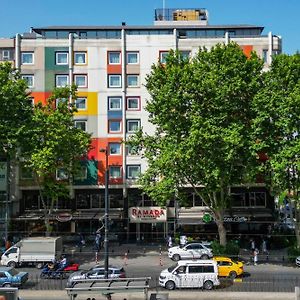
[(173, 295)]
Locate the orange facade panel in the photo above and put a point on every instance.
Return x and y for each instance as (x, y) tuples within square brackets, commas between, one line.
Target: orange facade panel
[(40, 97), (114, 69), (247, 49)]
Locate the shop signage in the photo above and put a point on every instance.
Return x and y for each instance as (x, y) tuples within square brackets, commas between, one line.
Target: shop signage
[(3, 173), (64, 217), (235, 219), (147, 214), (207, 218)]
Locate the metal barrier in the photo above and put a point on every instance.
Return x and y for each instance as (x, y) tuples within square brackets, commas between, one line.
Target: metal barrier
[(107, 287)]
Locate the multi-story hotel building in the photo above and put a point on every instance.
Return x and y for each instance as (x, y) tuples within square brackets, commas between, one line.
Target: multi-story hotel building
[(109, 65)]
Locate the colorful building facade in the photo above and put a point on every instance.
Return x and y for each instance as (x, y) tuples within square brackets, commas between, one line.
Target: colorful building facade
[(109, 65)]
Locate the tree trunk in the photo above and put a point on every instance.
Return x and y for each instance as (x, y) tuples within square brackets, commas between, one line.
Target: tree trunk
[(221, 228)]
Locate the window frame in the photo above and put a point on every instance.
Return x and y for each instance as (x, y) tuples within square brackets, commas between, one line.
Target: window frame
[(26, 53), (120, 170), (109, 103), (85, 78), (85, 58), (85, 103), (127, 171), (132, 120), (58, 100), (161, 54), (81, 121), (114, 120), (110, 148), (137, 55), (84, 177), (57, 53), (108, 57), (7, 56), (138, 80), (139, 103), (23, 76), (59, 178), (61, 75), (109, 81)]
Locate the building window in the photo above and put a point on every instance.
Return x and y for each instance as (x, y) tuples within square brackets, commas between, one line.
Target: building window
[(114, 58), (61, 58), (5, 55), (185, 54), (114, 81), (27, 58), (257, 199), (133, 103), (114, 126), (61, 80), (61, 174), (80, 58), (115, 103), (114, 148), (59, 101), (133, 171), (133, 125), (80, 80), (132, 58), (132, 80), (81, 173), (80, 103), (163, 56), (80, 124), (29, 80), (115, 172), (238, 199), (132, 150)]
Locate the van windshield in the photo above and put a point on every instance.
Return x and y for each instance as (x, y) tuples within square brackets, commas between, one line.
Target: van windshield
[(171, 269)]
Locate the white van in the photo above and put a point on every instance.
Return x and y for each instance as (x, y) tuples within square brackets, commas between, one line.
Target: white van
[(190, 274)]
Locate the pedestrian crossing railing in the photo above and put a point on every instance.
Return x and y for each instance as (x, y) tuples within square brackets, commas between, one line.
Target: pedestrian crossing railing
[(108, 287)]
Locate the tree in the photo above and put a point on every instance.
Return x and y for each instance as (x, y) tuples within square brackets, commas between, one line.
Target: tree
[(201, 110), (16, 109), (55, 145), (277, 128)]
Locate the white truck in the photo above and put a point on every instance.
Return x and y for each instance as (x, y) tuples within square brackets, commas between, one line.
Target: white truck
[(33, 250)]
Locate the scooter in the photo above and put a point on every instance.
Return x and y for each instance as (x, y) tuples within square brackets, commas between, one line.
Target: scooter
[(50, 271)]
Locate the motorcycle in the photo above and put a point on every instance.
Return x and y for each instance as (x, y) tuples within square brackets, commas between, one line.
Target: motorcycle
[(52, 270)]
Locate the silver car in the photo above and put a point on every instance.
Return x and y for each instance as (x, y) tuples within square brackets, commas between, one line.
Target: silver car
[(190, 251), (96, 272)]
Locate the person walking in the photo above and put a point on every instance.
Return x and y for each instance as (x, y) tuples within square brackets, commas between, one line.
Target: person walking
[(170, 242), (255, 256)]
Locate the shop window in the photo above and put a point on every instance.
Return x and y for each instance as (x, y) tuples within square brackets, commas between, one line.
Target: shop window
[(238, 199), (257, 199)]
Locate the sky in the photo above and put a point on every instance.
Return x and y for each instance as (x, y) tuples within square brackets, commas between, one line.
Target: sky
[(281, 17)]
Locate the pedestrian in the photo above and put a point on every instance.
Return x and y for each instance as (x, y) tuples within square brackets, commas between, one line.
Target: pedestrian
[(183, 240), (264, 248), (98, 241), (252, 245), (170, 242), (255, 256)]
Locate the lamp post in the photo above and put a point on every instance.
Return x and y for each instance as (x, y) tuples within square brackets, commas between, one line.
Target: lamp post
[(106, 212)]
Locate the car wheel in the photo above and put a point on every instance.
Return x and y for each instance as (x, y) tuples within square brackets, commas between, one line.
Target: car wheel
[(176, 257), (204, 256), (39, 265), (6, 285), (208, 285), (232, 274), (12, 264), (170, 285)]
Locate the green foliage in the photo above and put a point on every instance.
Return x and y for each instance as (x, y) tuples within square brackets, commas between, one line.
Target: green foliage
[(231, 248), (293, 252), (201, 112), (16, 110)]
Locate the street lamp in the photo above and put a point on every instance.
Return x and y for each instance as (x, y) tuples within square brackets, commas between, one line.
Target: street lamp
[(106, 212)]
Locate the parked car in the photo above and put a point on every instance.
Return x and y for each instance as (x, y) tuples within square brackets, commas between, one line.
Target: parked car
[(11, 277), (298, 261), (190, 251), (228, 267), (190, 274), (96, 272)]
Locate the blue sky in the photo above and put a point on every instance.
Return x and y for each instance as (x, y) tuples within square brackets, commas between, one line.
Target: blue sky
[(280, 17)]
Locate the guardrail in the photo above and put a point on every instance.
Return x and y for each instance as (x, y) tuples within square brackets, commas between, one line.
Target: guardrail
[(107, 287)]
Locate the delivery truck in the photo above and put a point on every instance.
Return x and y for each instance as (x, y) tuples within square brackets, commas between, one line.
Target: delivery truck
[(33, 250)]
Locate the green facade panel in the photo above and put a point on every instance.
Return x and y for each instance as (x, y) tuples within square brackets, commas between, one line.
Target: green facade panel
[(92, 173), (51, 69)]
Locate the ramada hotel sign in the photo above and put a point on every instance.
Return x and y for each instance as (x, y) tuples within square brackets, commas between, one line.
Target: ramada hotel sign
[(149, 214)]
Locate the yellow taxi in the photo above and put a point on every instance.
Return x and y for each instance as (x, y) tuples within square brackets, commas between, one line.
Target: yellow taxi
[(228, 267)]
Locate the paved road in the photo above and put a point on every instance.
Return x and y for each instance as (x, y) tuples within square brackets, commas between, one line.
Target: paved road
[(265, 277)]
